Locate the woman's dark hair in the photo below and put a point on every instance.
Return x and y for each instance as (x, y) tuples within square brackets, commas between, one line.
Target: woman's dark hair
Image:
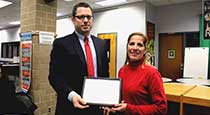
[(129, 38), (81, 4)]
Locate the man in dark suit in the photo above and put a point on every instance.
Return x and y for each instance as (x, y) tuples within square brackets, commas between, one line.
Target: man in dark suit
[(68, 64)]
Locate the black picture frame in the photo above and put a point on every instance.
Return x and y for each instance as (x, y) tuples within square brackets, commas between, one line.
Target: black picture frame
[(101, 91)]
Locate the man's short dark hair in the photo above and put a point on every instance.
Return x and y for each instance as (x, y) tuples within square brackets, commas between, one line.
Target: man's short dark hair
[(81, 4)]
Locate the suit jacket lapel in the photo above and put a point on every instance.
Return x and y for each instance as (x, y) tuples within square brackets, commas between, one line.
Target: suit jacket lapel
[(80, 52), (78, 48)]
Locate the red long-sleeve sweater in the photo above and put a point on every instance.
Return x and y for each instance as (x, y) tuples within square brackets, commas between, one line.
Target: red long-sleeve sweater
[(142, 90)]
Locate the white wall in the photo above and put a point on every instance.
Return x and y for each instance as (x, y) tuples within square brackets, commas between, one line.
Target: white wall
[(179, 18), (124, 21), (9, 35), (64, 27), (151, 13)]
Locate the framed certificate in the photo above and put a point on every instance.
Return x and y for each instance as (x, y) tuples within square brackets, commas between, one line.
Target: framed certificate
[(101, 91)]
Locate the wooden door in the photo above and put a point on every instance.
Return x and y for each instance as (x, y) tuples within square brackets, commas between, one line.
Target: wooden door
[(171, 55), (111, 39)]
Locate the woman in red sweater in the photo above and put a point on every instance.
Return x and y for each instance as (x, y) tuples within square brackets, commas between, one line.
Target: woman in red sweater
[(142, 86)]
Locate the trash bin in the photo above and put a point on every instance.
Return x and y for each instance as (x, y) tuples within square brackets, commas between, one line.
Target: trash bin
[(28, 106)]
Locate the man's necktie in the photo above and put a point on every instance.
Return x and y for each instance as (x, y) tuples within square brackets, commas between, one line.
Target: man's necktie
[(89, 58)]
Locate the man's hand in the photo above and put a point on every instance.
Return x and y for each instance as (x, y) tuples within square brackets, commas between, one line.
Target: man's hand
[(78, 102)]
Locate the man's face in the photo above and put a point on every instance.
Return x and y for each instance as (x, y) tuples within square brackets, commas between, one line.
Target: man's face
[(83, 20)]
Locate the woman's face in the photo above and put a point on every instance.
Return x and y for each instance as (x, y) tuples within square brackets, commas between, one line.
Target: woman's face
[(136, 48)]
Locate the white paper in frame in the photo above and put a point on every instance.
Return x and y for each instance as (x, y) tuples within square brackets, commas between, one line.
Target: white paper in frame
[(102, 91)]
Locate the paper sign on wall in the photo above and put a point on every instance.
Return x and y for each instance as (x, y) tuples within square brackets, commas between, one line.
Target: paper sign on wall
[(46, 37)]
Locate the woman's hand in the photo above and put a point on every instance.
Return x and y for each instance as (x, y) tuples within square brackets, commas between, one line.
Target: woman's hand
[(119, 107), (116, 108), (106, 110)]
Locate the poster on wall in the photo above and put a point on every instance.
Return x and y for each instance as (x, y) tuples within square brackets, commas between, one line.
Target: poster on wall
[(171, 53), (150, 55), (206, 19), (25, 65)]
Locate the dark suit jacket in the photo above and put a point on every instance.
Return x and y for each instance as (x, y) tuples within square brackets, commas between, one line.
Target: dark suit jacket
[(68, 68)]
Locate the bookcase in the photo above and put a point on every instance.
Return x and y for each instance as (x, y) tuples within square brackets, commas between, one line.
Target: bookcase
[(10, 49)]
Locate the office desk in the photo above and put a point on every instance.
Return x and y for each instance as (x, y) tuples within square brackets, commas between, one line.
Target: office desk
[(175, 90), (10, 69), (199, 95), (194, 81)]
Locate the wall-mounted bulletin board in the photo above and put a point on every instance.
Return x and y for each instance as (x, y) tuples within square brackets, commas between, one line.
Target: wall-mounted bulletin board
[(25, 63), (111, 39), (196, 62)]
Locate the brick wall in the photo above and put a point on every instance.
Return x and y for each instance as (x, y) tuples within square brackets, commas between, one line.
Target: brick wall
[(39, 16)]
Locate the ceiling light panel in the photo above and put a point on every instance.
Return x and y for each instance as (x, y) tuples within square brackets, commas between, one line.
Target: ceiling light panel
[(15, 23), (110, 2), (4, 3)]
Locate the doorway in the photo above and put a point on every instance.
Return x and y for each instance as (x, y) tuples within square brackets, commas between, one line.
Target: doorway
[(171, 55), (171, 52), (111, 39)]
